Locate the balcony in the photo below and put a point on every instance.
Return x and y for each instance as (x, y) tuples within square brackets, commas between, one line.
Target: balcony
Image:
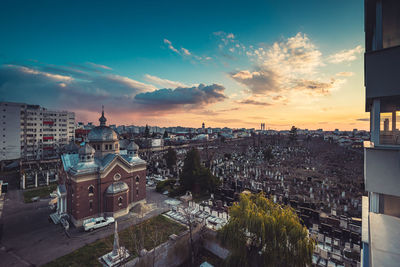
[(382, 169), (382, 72)]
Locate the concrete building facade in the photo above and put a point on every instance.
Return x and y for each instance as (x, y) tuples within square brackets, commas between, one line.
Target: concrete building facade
[(32, 132), (381, 209)]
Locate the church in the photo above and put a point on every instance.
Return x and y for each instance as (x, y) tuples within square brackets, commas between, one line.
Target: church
[(99, 180)]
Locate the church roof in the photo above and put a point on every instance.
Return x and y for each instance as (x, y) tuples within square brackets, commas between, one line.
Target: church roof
[(86, 149), (72, 164), (102, 133), (71, 147), (132, 146)]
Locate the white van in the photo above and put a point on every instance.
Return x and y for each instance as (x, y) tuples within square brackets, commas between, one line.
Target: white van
[(94, 223)]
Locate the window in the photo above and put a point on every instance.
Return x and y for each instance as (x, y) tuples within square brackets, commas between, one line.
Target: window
[(137, 191), (117, 176), (137, 179), (91, 205), (116, 146), (91, 190), (120, 201)]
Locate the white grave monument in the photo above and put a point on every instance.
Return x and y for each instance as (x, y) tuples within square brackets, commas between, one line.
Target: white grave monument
[(117, 255)]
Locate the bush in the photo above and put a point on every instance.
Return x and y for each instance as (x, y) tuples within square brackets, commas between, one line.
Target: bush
[(164, 185)]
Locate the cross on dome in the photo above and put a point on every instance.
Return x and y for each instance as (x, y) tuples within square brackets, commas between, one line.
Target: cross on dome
[(102, 118)]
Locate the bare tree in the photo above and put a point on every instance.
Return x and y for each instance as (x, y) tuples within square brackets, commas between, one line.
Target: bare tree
[(137, 235), (156, 239), (191, 223)]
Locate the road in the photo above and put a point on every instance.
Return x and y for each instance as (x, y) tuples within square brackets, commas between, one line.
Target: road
[(28, 239)]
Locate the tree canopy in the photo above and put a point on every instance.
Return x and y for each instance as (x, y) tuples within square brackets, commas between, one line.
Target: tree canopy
[(147, 131), (293, 134), (194, 176), (263, 233), (170, 158)]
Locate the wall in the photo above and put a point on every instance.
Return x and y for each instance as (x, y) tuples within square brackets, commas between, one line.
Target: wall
[(78, 205), (381, 170), (176, 251), (211, 243), (10, 131), (381, 72)]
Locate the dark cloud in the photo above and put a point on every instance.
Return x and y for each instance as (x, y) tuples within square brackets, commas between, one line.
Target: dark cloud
[(253, 102), (198, 95), (316, 87), (73, 89), (363, 119), (259, 82), (228, 110)]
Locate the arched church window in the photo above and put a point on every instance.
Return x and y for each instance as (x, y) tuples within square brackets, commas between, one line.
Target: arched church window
[(137, 179), (120, 201), (91, 190)]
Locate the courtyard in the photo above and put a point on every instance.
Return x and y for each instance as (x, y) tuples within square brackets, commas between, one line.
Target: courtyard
[(27, 238)]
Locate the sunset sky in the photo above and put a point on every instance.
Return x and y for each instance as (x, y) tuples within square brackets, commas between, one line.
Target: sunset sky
[(169, 63)]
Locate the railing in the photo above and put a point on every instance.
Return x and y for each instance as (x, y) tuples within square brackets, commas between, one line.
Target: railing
[(389, 138)]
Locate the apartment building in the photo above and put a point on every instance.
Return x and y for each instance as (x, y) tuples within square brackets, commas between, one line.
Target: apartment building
[(381, 209), (32, 132)]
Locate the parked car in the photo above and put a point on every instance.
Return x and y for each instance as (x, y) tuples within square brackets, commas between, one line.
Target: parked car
[(94, 223)]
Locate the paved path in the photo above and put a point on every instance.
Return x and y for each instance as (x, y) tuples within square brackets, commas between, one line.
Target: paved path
[(28, 239)]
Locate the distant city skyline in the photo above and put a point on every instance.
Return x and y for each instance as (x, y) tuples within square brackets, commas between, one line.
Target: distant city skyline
[(225, 63)]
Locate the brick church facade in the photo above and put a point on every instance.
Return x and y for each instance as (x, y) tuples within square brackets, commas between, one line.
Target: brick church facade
[(100, 180)]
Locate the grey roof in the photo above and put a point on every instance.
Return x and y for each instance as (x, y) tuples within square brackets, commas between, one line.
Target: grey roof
[(123, 143), (117, 187), (71, 147), (86, 149), (102, 133)]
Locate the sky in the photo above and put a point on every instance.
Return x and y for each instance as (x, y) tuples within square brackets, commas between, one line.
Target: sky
[(168, 63)]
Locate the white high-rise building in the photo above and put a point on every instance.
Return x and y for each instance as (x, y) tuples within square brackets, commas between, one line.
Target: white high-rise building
[(381, 209), (33, 132)]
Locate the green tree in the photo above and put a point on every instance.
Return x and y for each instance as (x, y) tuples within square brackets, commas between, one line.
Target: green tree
[(262, 233), (194, 176), (170, 158), (191, 169), (293, 134)]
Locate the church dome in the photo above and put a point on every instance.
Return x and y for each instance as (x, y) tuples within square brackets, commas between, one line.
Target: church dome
[(86, 150), (132, 149), (117, 187), (102, 132), (132, 146)]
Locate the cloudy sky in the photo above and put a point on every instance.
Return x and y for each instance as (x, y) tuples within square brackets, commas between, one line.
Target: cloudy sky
[(167, 63)]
